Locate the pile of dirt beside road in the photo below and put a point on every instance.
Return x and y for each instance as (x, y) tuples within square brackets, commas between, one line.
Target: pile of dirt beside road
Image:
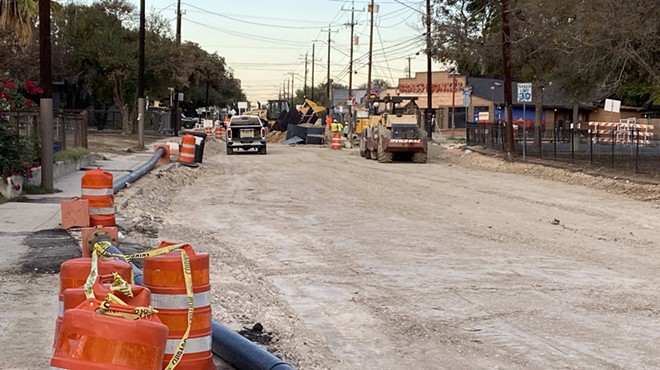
[(634, 186)]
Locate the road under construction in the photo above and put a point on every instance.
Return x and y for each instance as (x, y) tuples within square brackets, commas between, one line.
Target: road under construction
[(331, 262)]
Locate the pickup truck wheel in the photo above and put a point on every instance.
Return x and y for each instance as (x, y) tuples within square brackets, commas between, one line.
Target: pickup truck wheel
[(230, 151), (262, 150)]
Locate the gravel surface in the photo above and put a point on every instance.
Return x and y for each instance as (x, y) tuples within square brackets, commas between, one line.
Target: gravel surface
[(332, 261)]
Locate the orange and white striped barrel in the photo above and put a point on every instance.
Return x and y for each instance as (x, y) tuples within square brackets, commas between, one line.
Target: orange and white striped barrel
[(74, 272), (95, 341), (96, 187), (164, 277), (187, 152), (73, 297), (219, 131), (336, 141)]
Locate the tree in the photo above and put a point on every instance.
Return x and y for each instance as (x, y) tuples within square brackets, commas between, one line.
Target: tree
[(320, 93), (376, 84), (19, 17), (466, 35)]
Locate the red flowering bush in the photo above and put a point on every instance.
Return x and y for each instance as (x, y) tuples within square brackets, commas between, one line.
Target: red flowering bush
[(18, 154)]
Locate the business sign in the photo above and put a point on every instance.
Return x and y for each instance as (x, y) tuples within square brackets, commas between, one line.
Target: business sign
[(484, 116), (242, 105), (525, 93)]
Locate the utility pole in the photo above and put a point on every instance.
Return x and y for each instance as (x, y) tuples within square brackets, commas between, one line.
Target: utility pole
[(429, 77), (141, 107), (329, 83), (329, 87), (288, 89), (371, 45), (175, 102), (293, 91), (305, 88), (350, 58), (46, 100), (409, 59), (313, 59), (506, 61)]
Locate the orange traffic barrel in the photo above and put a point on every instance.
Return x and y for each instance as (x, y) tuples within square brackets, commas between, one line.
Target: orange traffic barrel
[(164, 277), (91, 340), (187, 152), (73, 297), (96, 187), (219, 131), (336, 141), (74, 272)]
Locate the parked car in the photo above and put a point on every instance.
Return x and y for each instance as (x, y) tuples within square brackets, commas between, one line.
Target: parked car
[(187, 122)]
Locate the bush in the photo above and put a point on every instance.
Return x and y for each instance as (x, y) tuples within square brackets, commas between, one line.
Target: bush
[(70, 154), (17, 154)]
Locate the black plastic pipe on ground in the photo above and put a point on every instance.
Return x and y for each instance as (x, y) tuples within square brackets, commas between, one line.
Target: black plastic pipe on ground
[(143, 169), (230, 346)]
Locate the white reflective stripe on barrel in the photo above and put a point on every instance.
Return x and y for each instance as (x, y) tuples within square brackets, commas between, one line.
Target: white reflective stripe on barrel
[(179, 301), (96, 192), (182, 154), (60, 308), (57, 368), (189, 146), (193, 345), (102, 211)]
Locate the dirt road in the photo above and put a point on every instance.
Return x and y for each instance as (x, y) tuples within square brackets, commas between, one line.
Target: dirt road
[(352, 264), (465, 262)]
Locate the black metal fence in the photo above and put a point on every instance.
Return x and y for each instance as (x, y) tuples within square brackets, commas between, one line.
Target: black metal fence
[(69, 126), (630, 148)]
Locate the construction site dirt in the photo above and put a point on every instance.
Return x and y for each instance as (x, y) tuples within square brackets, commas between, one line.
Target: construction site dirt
[(333, 262)]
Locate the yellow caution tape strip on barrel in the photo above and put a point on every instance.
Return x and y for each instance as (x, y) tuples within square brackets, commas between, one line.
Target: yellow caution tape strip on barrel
[(103, 246), (187, 276)]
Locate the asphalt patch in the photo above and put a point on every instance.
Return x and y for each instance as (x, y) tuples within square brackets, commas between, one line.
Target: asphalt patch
[(48, 249)]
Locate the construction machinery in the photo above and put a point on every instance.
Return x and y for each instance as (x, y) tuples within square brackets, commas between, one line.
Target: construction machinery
[(271, 112), (393, 132)]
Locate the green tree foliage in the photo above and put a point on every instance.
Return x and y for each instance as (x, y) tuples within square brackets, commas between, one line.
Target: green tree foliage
[(583, 47), (376, 84), (320, 94), (99, 48)]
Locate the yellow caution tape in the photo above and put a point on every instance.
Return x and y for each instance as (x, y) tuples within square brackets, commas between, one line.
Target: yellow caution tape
[(111, 298), (187, 276), (132, 313), (103, 246), (119, 284), (91, 278)]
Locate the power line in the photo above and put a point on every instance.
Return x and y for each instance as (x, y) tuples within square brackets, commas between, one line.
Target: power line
[(249, 22)]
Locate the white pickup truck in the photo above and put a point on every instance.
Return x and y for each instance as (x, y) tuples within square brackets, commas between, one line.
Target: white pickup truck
[(246, 132)]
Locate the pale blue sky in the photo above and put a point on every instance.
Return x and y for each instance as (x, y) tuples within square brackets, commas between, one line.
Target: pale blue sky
[(264, 41)]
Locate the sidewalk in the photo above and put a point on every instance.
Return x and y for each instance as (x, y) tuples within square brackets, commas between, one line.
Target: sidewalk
[(42, 211)]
